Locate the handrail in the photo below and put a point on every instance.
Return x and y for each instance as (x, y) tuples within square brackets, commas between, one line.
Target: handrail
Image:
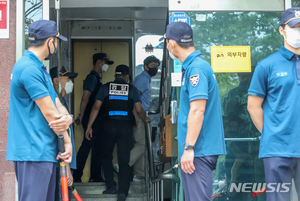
[(149, 148), (156, 183)]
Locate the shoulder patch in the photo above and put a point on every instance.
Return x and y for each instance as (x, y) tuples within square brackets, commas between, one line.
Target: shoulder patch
[(194, 80)]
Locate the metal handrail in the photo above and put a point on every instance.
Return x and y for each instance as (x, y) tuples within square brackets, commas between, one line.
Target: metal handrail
[(156, 181)]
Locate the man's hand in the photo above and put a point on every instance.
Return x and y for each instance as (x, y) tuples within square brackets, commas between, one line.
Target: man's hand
[(69, 176), (89, 133), (78, 120), (62, 123), (147, 120), (187, 161), (67, 155)]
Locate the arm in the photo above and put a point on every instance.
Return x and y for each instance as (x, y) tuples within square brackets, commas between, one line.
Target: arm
[(194, 125), (256, 111), (84, 101), (64, 120), (141, 113), (49, 111), (93, 115), (135, 117)]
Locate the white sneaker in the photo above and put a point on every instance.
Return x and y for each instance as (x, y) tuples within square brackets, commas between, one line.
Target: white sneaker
[(116, 167), (138, 179)]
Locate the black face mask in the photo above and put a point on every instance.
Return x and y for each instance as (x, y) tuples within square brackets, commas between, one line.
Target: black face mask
[(51, 54), (152, 71)]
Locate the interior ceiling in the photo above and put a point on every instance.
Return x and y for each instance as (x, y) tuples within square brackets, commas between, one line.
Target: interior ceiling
[(147, 19)]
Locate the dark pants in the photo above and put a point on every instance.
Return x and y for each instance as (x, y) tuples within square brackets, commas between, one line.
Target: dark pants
[(36, 180), (120, 132), (96, 145), (198, 186), (280, 170), (58, 191)]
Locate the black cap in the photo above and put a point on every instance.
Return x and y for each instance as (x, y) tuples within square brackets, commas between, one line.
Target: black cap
[(43, 29), (122, 70), (102, 56), (62, 72), (179, 31), (291, 16)]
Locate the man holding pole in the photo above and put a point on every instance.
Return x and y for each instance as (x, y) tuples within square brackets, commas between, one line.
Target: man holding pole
[(32, 139)]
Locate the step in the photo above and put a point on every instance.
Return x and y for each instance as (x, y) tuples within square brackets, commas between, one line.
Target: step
[(103, 197), (99, 187)]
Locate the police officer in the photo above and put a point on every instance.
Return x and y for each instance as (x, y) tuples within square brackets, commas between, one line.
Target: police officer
[(118, 98), (63, 86), (91, 86), (200, 130)]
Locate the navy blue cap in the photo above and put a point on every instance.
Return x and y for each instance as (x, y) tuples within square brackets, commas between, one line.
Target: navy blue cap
[(62, 72), (102, 56), (291, 16), (179, 31), (122, 70), (43, 29)]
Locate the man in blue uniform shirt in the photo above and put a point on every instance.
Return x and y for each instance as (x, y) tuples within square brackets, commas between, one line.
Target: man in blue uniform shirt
[(32, 142), (65, 86), (118, 98), (200, 128), (274, 106)]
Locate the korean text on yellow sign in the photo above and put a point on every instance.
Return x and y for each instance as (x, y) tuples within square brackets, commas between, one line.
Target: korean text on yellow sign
[(230, 59)]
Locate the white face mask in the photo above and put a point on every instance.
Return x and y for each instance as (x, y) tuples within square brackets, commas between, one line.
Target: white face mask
[(68, 87), (104, 68), (170, 53), (293, 37)]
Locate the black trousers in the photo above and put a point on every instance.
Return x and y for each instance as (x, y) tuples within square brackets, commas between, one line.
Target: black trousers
[(120, 132), (96, 145)]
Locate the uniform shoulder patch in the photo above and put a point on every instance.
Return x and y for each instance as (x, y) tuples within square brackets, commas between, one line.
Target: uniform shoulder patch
[(194, 80)]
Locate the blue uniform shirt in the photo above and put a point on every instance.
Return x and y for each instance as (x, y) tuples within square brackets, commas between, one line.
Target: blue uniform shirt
[(29, 136), (275, 81), (199, 82), (142, 83)]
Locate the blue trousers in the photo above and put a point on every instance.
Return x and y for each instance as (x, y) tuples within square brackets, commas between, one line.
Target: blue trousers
[(198, 186), (36, 180), (279, 171)]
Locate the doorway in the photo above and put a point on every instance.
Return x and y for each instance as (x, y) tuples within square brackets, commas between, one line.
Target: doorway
[(118, 51)]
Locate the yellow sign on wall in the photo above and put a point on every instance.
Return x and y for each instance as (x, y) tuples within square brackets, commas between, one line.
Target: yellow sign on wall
[(231, 59)]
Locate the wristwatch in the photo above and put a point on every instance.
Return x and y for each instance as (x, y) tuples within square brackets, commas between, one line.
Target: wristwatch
[(186, 146)]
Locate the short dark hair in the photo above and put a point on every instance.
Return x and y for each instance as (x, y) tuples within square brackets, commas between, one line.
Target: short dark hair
[(36, 42), (121, 76), (185, 45), (151, 59), (95, 61)]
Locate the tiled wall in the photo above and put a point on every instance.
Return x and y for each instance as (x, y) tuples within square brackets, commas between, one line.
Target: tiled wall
[(7, 60)]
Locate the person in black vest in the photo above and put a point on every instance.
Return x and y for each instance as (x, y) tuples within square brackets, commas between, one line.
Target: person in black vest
[(118, 99), (91, 86)]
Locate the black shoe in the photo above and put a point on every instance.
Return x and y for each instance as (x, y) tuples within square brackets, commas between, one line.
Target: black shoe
[(121, 197), (111, 190)]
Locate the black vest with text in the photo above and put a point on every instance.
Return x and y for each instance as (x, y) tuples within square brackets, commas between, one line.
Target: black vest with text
[(118, 104)]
